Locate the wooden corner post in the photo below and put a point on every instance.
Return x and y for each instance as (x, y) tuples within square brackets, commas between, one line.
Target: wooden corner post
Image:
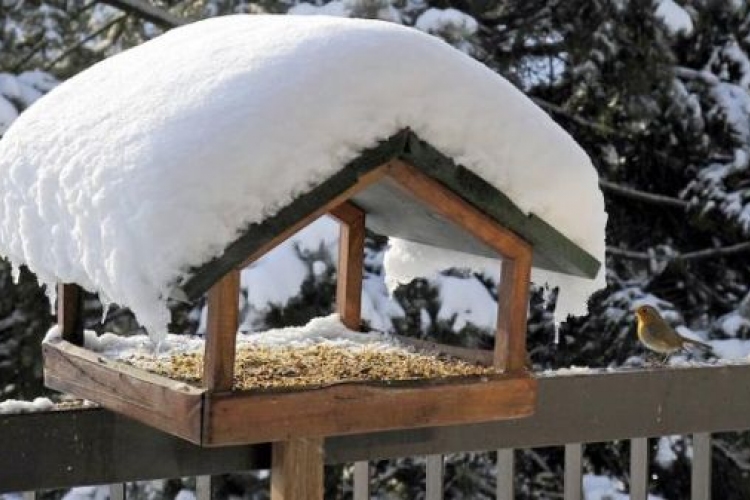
[(70, 312), (223, 321), (512, 310), (351, 263)]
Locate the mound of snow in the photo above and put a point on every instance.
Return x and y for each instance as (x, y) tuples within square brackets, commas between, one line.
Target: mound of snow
[(149, 163)]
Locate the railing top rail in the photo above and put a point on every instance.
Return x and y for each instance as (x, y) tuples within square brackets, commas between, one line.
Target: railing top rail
[(95, 446)]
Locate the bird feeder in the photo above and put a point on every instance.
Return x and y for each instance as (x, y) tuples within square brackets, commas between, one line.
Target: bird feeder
[(403, 187)]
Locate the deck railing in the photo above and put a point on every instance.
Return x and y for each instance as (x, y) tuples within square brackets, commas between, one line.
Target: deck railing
[(94, 446)]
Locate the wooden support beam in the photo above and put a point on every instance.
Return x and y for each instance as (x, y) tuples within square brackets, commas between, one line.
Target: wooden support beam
[(70, 312), (223, 320), (363, 182), (457, 210), (297, 469), (351, 263), (512, 310)]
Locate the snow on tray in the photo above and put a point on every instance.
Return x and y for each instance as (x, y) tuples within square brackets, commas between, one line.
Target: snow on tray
[(328, 330), (149, 163)]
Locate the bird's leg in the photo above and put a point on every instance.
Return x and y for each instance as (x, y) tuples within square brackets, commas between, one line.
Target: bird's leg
[(666, 358)]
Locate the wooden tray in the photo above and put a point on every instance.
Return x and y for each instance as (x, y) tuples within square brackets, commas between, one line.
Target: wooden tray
[(245, 417)]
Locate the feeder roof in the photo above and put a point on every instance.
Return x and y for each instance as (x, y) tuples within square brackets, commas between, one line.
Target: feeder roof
[(141, 174)]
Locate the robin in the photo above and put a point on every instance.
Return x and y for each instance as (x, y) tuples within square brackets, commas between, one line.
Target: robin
[(657, 335)]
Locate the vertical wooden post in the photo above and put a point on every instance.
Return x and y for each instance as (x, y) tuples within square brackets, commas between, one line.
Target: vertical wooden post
[(361, 480), (512, 305), (297, 469), (639, 468), (223, 320), (572, 482), (351, 263), (700, 484), (70, 312)]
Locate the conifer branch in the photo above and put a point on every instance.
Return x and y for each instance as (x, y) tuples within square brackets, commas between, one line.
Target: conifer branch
[(656, 199), (148, 12), (689, 256)]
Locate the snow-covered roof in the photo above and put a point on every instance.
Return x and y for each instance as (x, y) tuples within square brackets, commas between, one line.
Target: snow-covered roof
[(149, 164)]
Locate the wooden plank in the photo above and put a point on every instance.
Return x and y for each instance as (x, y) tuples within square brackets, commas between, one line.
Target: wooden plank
[(204, 486), (221, 337), (70, 312), (171, 406), (81, 447), (572, 481), (639, 468), (351, 264), (700, 485), (591, 407), (361, 480), (434, 472), (513, 304), (478, 356), (118, 491), (297, 469), (506, 464), (455, 209), (357, 407)]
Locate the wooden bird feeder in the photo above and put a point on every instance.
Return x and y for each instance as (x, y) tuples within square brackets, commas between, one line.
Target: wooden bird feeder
[(404, 188)]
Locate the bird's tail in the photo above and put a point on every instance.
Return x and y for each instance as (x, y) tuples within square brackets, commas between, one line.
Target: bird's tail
[(695, 343)]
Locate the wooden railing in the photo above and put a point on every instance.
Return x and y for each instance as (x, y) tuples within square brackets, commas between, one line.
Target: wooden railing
[(95, 446)]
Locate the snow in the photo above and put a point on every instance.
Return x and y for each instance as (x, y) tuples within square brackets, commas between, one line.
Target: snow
[(674, 17), (605, 488), (452, 25), (16, 406), (149, 163), (468, 301), (88, 493), (325, 330)]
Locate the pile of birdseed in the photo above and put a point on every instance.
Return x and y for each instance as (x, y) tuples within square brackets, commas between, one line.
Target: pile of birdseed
[(263, 367)]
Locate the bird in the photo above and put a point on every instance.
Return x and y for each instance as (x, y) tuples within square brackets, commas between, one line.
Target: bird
[(656, 334)]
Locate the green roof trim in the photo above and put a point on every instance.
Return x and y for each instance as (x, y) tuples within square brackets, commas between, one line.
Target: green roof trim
[(552, 250)]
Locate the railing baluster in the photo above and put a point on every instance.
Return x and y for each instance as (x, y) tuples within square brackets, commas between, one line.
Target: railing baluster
[(203, 487), (505, 471), (362, 480), (572, 481), (638, 468), (434, 482), (700, 486), (117, 491)]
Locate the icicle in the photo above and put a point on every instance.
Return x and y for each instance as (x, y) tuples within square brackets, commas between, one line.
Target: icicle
[(50, 290), (556, 326), (106, 305), (15, 272)]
